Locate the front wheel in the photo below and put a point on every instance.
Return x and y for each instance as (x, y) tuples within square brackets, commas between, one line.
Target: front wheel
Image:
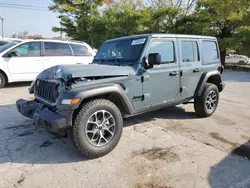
[(2, 80), (97, 128), (206, 104)]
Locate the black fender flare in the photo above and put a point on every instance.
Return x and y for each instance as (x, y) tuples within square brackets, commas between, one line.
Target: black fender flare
[(98, 90), (203, 80)]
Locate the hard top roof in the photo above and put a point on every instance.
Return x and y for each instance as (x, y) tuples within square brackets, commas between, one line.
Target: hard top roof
[(164, 35)]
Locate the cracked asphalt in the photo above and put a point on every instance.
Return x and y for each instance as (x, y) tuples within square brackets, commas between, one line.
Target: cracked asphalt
[(167, 148)]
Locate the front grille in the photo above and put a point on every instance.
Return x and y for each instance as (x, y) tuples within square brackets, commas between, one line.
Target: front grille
[(47, 90)]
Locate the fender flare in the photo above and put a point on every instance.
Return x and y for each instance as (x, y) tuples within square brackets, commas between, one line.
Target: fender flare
[(107, 89), (203, 80)]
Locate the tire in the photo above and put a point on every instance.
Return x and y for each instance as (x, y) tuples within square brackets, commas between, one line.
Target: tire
[(86, 135), (3, 80), (241, 63), (206, 104)]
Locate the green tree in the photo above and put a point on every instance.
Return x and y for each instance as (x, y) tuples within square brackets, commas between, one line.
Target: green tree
[(77, 18), (223, 19)]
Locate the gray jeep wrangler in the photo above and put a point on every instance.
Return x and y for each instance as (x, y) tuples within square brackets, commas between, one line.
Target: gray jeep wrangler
[(129, 76)]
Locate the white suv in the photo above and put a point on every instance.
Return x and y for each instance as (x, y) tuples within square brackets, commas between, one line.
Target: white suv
[(24, 60), (237, 59)]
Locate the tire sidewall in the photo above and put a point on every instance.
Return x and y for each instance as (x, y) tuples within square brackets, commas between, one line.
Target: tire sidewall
[(3, 81), (241, 62), (81, 133), (214, 88)]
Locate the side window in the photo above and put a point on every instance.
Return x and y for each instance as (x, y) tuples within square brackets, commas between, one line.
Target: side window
[(80, 50), (190, 52), (57, 49), (30, 49), (210, 51), (165, 48)]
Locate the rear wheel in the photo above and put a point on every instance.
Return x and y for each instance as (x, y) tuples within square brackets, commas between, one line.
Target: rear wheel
[(97, 128), (241, 63), (3, 80), (207, 103)]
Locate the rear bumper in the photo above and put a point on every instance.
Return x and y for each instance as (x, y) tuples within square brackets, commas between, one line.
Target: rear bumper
[(51, 121)]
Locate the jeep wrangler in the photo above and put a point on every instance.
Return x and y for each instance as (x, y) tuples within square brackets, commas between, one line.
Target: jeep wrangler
[(128, 76)]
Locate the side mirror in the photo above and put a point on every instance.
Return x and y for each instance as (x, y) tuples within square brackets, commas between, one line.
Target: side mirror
[(12, 54), (154, 59)]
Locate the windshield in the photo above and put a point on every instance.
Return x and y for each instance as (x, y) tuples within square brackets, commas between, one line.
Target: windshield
[(123, 50), (8, 45)]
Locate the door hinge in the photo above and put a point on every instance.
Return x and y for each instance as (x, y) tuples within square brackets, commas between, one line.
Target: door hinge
[(146, 96), (181, 73), (182, 89), (145, 78)]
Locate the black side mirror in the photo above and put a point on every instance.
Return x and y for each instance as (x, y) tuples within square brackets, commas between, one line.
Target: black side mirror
[(154, 59), (12, 54)]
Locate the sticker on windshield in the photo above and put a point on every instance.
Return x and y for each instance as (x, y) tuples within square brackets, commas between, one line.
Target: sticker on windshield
[(138, 41)]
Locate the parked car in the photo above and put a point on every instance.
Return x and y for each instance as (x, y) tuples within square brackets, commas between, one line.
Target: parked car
[(24, 60), (129, 76), (3, 42), (236, 59)]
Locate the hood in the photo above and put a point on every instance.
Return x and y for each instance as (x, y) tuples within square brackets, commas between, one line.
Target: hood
[(67, 72)]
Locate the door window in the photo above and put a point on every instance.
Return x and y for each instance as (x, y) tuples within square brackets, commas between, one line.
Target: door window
[(165, 49), (190, 51), (31, 49), (80, 50), (210, 51), (57, 49)]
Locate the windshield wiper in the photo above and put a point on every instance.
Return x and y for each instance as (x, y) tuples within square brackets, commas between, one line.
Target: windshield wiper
[(98, 59), (115, 60)]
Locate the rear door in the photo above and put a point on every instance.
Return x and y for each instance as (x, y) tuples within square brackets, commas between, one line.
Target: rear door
[(57, 53), (81, 54), (26, 61), (190, 65)]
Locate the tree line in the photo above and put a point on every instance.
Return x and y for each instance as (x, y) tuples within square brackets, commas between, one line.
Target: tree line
[(95, 21)]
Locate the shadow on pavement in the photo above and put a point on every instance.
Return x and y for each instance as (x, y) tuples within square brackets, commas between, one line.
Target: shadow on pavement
[(233, 171), (18, 84), (22, 142), (166, 113)]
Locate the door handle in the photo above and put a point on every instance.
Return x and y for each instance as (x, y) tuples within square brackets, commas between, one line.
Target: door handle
[(196, 70), (173, 73)]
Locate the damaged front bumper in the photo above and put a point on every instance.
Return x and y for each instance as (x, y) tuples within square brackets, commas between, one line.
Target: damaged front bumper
[(52, 121)]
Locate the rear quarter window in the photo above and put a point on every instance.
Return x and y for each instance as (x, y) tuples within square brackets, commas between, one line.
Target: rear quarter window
[(210, 51), (80, 50)]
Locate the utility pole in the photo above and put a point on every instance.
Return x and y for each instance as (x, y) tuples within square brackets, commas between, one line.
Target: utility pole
[(61, 28), (91, 12), (61, 31), (2, 19)]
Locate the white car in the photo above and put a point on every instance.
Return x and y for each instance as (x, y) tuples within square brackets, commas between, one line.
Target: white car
[(23, 60), (237, 59)]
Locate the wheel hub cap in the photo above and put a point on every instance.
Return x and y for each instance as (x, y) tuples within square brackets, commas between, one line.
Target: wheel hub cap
[(211, 101), (100, 128)]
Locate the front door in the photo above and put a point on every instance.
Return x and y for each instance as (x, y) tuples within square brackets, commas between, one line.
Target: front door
[(25, 62), (191, 68), (161, 83)]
